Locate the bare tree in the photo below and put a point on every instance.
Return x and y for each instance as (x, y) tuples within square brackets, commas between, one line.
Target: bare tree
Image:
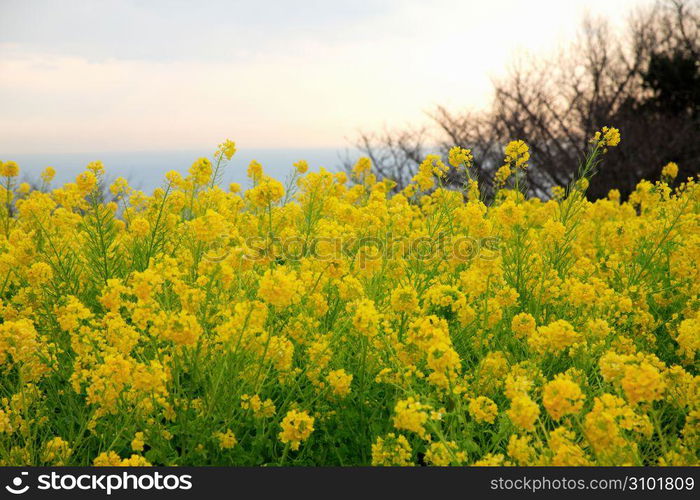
[(394, 154), (645, 81)]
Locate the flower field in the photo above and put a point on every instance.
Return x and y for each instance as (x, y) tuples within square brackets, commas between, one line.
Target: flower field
[(330, 320)]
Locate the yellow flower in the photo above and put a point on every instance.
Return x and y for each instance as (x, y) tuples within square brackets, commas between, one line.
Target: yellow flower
[(140, 226), (361, 168), (607, 137), (57, 451), (434, 164), (411, 415), (255, 170), (502, 175), (404, 299), (604, 426), (135, 461), (445, 363), (227, 440), (483, 409), (9, 169), (48, 174), (226, 149), (562, 396), (365, 318), (297, 426), (460, 157), (444, 454), (553, 231), (554, 337), (209, 227), (96, 167), (181, 328), (107, 459), (340, 382), (280, 287), (473, 192), (260, 408), (5, 422), (21, 347), (266, 192), (670, 170), (517, 154), (582, 184), (566, 452), (490, 460), (519, 449), (517, 384), (523, 412), (39, 274), (391, 451), (87, 182), (642, 382), (301, 166), (509, 214), (201, 171), (138, 442), (174, 177), (119, 187), (70, 315), (688, 338), (523, 325)]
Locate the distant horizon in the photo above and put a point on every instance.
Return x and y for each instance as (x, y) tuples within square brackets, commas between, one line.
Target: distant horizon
[(146, 170), (4, 156)]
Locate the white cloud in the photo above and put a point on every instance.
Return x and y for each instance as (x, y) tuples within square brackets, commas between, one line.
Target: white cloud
[(304, 89)]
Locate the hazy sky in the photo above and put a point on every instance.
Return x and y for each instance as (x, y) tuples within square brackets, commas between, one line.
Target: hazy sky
[(172, 75)]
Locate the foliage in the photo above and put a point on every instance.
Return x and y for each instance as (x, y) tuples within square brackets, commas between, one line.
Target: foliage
[(324, 323)]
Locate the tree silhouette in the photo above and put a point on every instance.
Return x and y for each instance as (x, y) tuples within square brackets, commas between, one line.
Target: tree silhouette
[(644, 81)]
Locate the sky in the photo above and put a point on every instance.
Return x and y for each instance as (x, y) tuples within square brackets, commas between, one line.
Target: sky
[(85, 75)]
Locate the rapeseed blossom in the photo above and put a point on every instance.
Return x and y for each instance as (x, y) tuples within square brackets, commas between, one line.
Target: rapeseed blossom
[(338, 320), (296, 427)]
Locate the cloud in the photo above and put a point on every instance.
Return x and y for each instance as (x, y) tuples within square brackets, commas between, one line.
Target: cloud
[(170, 76)]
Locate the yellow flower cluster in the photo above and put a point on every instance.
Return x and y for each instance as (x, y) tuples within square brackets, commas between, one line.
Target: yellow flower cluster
[(607, 137), (392, 450), (340, 382), (260, 408), (411, 415), (482, 409), (296, 427), (562, 396), (670, 170), (334, 320), (226, 439), (460, 158), (517, 154)]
